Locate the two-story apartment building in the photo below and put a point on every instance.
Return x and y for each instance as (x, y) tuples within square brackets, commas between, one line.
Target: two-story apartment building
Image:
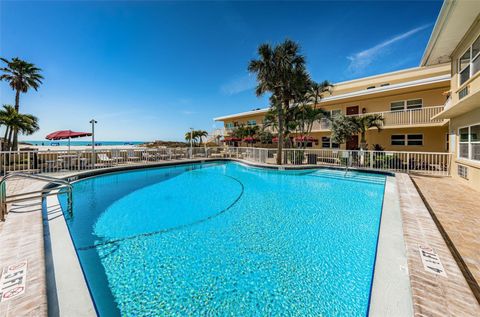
[(406, 99), (456, 39)]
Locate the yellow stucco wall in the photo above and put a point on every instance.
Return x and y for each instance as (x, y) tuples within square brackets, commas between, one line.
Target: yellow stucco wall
[(434, 139), (474, 82), (467, 119)]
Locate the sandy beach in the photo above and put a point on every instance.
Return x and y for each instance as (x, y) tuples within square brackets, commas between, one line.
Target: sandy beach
[(77, 147)]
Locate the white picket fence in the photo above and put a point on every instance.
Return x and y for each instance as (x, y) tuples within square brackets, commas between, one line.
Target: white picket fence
[(78, 160)]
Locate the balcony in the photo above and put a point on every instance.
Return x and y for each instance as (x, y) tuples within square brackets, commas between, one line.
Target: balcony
[(392, 119), (406, 118)]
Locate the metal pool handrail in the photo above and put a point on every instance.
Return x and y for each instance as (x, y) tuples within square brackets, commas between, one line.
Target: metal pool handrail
[(4, 200)]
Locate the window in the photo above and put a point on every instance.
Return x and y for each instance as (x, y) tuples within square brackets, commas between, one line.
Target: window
[(398, 139), (252, 122), (325, 142), (469, 62), (415, 139), (407, 139), (370, 87), (229, 125), (335, 113), (414, 104), (406, 105), (328, 143), (469, 142), (384, 85), (397, 106)]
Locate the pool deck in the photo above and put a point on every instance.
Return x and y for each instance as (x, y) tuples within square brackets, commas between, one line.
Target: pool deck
[(22, 237), (454, 206), (433, 295)]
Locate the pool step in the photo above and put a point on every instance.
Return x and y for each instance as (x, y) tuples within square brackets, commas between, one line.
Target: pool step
[(350, 175)]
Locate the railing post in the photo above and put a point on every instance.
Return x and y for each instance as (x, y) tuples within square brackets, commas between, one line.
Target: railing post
[(408, 163), (371, 160)]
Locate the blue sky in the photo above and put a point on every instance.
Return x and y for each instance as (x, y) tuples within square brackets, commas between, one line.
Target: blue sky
[(150, 70)]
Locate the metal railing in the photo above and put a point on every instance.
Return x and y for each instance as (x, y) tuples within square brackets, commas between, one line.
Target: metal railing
[(434, 163), (26, 196)]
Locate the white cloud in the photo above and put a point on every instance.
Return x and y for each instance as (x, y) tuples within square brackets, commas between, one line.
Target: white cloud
[(238, 85), (361, 60)]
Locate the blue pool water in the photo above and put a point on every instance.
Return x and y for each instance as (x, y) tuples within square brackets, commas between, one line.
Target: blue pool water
[(226, 239)]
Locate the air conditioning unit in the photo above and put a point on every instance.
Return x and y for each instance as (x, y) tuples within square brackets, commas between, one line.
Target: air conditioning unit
[(462, 171)]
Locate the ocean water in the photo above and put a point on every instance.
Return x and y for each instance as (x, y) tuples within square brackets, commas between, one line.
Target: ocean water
[(219, 239), (81, 143)]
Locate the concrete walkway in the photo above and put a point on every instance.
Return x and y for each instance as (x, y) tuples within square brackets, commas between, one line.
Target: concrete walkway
[(456, 209)]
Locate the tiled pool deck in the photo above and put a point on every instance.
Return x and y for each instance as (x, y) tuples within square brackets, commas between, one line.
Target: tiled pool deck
[(21, 237), (433, 295), (456, 207)]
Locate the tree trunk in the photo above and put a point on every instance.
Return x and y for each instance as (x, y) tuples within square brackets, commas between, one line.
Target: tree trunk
[(17, 108), (10, 133), (5, 141), (363, 141), (280, 135)]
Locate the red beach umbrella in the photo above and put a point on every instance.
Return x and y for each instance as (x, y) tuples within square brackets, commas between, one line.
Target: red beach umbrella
[(275, 140), (66, 134)]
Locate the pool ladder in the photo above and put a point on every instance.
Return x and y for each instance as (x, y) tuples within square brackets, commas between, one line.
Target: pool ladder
[(15, 198)]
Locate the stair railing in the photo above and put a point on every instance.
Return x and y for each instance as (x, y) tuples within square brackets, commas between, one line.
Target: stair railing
[(4, 199)]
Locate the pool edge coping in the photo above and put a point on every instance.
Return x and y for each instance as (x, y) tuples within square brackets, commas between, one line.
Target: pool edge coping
[(390, 293)]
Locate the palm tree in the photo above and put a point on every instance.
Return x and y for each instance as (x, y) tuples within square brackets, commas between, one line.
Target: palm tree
[(343, 127), (316, 91), (199, 134), (281, 71), (189, 137), (16, 123), (21, 76)]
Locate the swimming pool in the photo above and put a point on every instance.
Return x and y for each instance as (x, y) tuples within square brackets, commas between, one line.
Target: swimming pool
[(221, 238)]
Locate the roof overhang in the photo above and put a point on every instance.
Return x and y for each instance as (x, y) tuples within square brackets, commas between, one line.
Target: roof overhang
[(431, 83), (454, 20), (241, 114), (465, 105)]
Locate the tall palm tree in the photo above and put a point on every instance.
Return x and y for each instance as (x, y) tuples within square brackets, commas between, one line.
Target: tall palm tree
[(6, 117), (21, 76), (316, 91), (281, 71), (16, 123)]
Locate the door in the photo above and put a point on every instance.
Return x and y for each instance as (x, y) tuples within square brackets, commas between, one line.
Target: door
[(352, 110), (352, 143)]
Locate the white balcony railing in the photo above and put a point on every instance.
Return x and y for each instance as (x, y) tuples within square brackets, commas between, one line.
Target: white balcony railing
[(422, 116)]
